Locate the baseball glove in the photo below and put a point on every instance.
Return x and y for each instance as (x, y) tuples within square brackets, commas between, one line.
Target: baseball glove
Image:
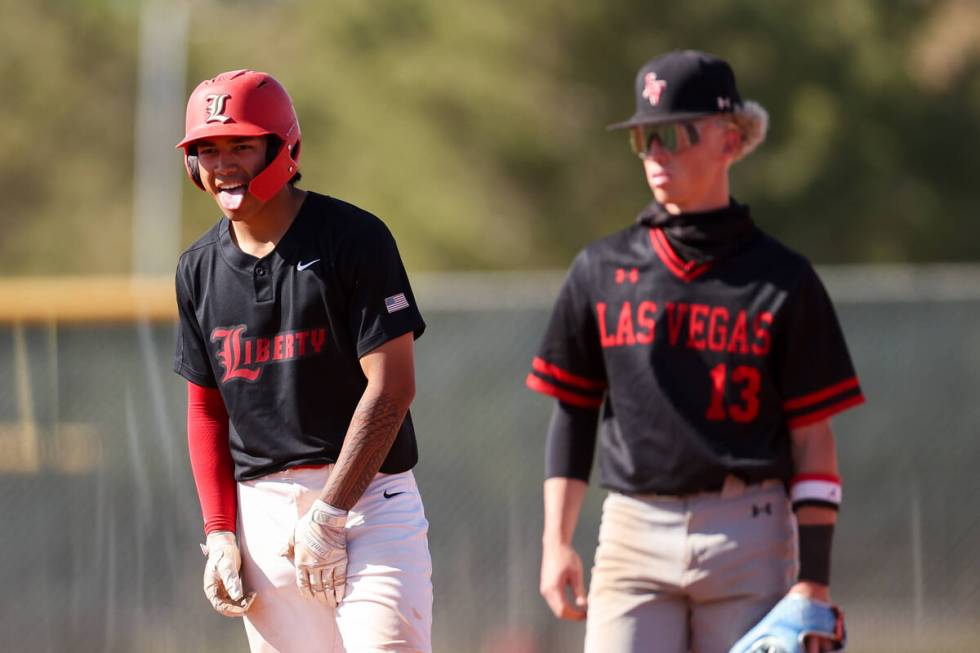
[(789, 623)]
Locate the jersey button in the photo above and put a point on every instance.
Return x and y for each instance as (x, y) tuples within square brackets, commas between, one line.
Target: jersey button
[(260, 272)]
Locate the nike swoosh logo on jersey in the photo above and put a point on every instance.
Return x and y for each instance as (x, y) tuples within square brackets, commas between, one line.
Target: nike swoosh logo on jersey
[(393, 494), (300, 266)]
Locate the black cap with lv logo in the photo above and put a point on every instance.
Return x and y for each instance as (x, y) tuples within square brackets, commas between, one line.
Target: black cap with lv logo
[(682, 85)]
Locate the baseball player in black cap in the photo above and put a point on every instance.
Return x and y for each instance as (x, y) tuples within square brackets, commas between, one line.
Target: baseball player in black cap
[(712, 356)]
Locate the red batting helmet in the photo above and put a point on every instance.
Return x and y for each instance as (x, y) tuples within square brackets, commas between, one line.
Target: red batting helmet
[(245, 103)]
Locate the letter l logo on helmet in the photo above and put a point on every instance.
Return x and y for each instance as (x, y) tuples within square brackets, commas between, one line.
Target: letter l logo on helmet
[(215, 108)]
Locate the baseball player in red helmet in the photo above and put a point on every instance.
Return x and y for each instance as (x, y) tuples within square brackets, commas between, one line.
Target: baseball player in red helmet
[(710, 357), (296, 335)]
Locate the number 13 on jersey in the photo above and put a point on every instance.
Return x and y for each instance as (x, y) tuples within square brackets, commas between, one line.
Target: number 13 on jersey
[(745, 380)]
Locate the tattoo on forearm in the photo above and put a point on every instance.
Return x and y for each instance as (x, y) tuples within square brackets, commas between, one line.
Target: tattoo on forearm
[(369, 438)]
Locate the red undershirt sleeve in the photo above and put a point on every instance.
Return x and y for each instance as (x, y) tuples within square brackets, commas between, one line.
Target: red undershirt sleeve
[(211, 464)]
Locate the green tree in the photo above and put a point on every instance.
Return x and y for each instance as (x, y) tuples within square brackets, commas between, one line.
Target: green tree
[(477, 130)]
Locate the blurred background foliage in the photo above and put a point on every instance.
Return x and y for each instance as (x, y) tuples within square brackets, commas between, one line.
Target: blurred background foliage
[(477, 129)]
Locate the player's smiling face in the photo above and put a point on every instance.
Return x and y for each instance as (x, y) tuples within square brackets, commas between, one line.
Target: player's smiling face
[(694, 178), (226, 165)]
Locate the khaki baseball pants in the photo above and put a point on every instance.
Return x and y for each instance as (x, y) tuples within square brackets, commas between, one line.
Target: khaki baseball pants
[(689, 574)]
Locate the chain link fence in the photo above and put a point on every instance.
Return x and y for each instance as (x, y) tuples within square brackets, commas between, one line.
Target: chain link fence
[(101, 522)]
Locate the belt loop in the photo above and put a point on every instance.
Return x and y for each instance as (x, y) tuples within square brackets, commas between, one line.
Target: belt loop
[(733, 487)]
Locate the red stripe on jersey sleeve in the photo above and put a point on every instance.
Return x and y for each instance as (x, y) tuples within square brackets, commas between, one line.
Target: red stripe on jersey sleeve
[(688, 270), (820, 395), (539, 385), (543, 366), (811, 418)]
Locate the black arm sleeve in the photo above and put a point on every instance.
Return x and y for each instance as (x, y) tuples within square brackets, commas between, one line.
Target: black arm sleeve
[(571, 442), (815, 543)]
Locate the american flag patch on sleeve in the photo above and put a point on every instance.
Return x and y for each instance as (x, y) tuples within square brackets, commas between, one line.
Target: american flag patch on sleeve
[(396, 302)]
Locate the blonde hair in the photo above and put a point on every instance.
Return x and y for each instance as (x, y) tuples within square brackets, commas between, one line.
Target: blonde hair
[(752, 122)]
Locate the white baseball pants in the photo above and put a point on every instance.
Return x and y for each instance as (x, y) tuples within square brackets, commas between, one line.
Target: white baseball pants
[(388, 603)]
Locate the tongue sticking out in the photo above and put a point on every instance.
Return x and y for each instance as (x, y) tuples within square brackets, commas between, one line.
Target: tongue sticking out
[(231, 199)]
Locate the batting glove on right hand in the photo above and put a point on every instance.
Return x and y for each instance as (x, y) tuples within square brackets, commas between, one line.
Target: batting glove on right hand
[(318, 548), (222, 582)]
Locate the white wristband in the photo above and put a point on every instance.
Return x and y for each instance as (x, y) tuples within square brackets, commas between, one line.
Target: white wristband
[(323, 513), (815, 489), (323, 506)]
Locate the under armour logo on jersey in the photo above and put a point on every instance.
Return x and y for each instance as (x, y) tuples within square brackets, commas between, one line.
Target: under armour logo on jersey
[(758, 510), (653, 88), (632, 275), (724, 103), (216, 107)]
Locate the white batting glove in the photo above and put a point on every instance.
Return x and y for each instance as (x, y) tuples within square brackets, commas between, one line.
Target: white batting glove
[(222, 582), (318, 548)]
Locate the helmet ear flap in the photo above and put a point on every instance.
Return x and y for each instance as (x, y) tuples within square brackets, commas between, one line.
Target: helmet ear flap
[(272, 150), (299, 175), (272, 145)]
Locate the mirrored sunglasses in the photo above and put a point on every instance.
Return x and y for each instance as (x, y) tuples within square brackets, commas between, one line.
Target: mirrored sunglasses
[(672, 137)]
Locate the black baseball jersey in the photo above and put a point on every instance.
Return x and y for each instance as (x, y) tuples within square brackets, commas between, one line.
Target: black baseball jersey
[(701, 367), (281, 336)]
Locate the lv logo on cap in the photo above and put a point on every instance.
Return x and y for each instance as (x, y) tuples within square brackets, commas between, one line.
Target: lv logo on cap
[(653, 88)]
